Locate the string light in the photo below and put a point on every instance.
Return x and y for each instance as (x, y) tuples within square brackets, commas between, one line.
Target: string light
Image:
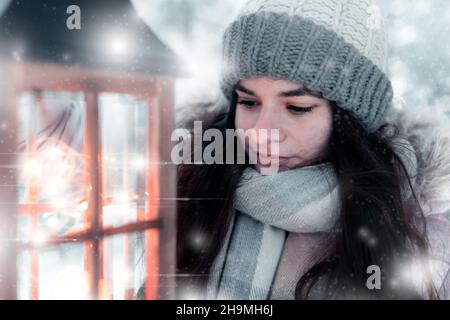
[(53, 222), (56, 172), (40, 239)]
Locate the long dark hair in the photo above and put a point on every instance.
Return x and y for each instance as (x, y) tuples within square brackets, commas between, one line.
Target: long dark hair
[(370, 174)]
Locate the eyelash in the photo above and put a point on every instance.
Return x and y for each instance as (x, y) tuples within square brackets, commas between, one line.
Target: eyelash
[(295, 110)]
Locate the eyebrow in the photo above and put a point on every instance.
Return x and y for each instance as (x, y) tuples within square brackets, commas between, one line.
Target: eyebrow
[(299, 92)]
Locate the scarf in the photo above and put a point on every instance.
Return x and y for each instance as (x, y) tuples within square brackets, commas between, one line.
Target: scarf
[(304, 200), (267, 208)]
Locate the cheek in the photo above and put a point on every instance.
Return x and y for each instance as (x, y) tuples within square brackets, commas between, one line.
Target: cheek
[(238, 120), (243, 120), (313, 135)]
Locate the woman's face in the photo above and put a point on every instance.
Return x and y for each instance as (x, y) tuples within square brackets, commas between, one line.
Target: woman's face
[(303, 120)]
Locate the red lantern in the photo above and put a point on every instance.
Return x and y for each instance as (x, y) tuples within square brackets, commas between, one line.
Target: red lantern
[(85, 170)]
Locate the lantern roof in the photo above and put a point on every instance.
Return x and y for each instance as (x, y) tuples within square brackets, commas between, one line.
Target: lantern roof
[(111, 36)]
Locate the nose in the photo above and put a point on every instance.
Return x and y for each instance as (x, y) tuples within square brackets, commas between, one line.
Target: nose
[(268, 119)]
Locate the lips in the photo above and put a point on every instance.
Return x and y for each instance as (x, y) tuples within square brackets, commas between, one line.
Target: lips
[(272, 156), (271, 159), (266, 158)]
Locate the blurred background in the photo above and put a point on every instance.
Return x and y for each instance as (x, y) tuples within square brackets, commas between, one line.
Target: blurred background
[(419, 54), (419, 50)]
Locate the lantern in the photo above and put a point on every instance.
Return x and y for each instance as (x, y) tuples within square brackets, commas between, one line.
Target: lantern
[(87, 188)]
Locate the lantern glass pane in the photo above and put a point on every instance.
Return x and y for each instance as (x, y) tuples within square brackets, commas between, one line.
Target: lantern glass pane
[(124, 265), (124, 149), (23, 276)]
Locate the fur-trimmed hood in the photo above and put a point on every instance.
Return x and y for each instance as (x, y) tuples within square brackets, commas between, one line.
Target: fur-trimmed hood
[(428, 131)]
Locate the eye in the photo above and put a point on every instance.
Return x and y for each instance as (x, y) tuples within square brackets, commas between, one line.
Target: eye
[(247, 103), (299, 110)]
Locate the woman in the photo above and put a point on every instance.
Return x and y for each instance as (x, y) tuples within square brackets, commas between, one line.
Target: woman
[(351, 210)]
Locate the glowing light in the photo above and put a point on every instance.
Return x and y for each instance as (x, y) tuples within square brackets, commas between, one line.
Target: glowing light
[(367, 236), (411, 272), (33, 168), (53, 222), (118, 44), (139, 163), (61, 203), (198, 239), (112, 209), (54, 153), (123, 197), (55, 169), (372, 241), (39, 239), (363, 232), (83, 206), (415, 272)]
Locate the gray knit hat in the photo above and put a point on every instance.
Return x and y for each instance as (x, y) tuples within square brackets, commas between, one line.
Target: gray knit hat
[(335, 47)]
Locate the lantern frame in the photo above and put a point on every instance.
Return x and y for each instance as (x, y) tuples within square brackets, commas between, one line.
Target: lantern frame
[(158, 221)]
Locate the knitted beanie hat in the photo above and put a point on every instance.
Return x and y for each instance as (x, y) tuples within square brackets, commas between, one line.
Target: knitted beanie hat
[(335, 47)]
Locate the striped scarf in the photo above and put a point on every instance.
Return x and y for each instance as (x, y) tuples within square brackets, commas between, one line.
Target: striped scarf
[(267, 208), (302, 200)]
